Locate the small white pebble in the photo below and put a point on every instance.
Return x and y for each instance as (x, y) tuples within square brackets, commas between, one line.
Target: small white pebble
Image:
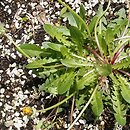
[(7, 96), (7, 25), (16, 113), (2, 90), (9, 11), (22, 82), (82, 121), (26, 92), (1, 71), (57, 5), (102, 123), (1, 104), (25, 119), (3, 113), (33, 75), (30, 72), (77, 123), (9, 123), (65, 125), (13, 55), (13, 65), (89, 12), (24, 77)]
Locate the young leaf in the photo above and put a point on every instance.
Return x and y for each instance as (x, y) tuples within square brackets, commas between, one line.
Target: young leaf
[(31, 49), (97, 104)]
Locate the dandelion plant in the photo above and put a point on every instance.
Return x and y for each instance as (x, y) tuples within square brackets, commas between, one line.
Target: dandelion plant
[(89, 60)]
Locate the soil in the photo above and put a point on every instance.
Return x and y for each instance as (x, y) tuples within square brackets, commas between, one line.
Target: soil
[(11, 63)]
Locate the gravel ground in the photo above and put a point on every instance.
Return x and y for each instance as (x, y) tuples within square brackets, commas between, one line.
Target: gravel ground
[(18, 86)]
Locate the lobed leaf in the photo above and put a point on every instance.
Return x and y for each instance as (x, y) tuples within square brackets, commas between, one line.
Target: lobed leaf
[(60, 84), (125, 63), (118, 106), (125, 88), (88, 79)]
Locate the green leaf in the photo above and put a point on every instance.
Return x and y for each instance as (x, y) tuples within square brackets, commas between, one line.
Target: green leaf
[(121, 120), (80, 101), (103, 44), (81, 24), (54, 46), (82, 12), (50, 29), (118, 106), (92, 24), (77, 37), (88, 79), (66, 81), (121, 13), (63, 11), (31, 49), (55, 32), (125, 63), (59, 85), (64, 30), (109, 36), (104, 70), (70, 18), (40, 63), (48, 71), (97, 104), (74, 63), (125, 88), (120, 24), (65, 52)]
